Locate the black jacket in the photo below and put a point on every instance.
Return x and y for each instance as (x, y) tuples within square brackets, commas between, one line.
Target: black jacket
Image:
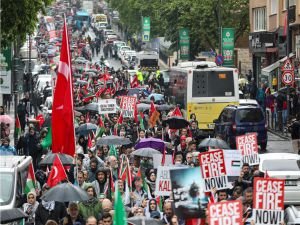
[(42, 214)]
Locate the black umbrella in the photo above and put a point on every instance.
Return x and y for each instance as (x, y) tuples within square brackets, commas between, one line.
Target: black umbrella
[(93, 107), (65, 192), (214, 143), (140, 220), (64, 158), (113, 140), (175, 122), (11, 215), (86, 128)]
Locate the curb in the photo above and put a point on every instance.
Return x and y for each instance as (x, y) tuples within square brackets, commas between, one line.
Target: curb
[(281, 135)]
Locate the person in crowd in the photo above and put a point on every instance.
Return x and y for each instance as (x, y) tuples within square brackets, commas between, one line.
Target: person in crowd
[(92, 170), (152, 209), (107, 219), (32, 146), (167, 213), (139, 193), (6, 149), (100, 184), (245, 179), (73, 215), (30, 207), (91, 221)]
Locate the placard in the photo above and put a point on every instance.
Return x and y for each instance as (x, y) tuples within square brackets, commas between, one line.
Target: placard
[(157, 160), (163, 181), (247, 144), (213, 170), (107, 106), (226, 213), (127, 105), (188, 193), (233, 163), (268, 201)]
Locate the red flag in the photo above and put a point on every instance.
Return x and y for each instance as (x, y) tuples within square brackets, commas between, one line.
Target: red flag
[(134, 83), (139, 173), (99, 92), (57, 173), (40, 119), (89, 143), (176, 112), (63, 135), (136, 119), (152, 108), (100, 122)]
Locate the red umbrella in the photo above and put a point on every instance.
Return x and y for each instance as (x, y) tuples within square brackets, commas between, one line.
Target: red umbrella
[(6, 119)]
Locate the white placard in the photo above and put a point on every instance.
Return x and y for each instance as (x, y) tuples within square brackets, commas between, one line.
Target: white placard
[(107, 106)]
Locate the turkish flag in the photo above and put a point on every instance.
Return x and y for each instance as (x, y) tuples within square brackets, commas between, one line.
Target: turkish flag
[(57, 173), (63, 135)]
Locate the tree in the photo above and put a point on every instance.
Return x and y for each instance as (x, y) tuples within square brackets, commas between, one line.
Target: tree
[(19, 18)]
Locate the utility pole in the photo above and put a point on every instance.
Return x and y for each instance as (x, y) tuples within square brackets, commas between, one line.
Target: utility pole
[(288, 53), (220, 26)]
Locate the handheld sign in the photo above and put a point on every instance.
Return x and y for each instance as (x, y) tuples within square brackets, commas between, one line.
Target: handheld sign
[(127, 106), (213, 170), (226, 213), (163, 182), (247, 144), (268, 201), (107, 106)]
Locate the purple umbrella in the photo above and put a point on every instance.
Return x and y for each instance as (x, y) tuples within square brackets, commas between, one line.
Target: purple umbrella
[(151, 143)]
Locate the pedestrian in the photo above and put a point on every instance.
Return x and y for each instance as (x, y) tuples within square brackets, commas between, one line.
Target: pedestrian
[(294, 129), (73, 216), (30, 207), (32, 146), (6, 149)]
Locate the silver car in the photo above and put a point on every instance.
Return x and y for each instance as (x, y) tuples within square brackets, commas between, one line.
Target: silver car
[(284, 166)]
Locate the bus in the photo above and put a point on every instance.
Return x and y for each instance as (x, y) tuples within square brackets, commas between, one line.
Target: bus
[(204, 89), (147, 60), (82, 18)]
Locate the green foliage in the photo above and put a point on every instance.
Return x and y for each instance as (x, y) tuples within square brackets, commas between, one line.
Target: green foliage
[(200, 16), (19, 18)]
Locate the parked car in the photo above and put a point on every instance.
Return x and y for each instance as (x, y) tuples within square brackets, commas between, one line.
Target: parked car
[(284, 166), (248, 102), (121, 51), (292, 215), (116, 47), (237, 120)]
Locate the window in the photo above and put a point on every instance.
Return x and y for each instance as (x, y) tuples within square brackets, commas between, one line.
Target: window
[(292, 2), (259, 19), (274, 7), (251, 115)]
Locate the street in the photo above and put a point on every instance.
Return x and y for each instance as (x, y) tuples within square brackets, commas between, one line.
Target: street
[(278, 144)]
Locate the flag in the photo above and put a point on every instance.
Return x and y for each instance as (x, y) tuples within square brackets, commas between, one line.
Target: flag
[(89, 142), (57, 173), (87, 117), (47, 141), (40, 119), (99, 92), (112, 151), (176, 112), (101, 129), (88, 98), (18, 127), (159, 202), (141, 120), (135, 82), (31, 181), (152, 108), (136, 113), (63, 135), (120, 214)]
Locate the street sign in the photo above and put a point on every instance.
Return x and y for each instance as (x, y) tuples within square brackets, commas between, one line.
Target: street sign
[(146, 29), (287, 77), (228, 46), (184, 43), (287, 66), (219, 60)]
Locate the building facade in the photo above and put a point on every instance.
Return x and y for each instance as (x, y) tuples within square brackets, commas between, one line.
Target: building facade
[(268, 38)]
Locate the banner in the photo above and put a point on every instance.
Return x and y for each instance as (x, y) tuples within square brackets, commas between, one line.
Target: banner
[(233, 164), (146, 29), (228, 46), (5, 70), (107, 106), (268, 201), (226, 213), (184, 44), (127, 106), (247, 144), (163, 182), (188, 193), (157, 158), (213, 170)]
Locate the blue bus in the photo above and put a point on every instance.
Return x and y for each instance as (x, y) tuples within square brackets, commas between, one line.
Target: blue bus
[(82, 18)]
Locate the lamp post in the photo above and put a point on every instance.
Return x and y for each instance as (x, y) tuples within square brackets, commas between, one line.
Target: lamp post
[(15, 92)]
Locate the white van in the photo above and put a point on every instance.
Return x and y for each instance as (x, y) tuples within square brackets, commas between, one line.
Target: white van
[(13, 175)]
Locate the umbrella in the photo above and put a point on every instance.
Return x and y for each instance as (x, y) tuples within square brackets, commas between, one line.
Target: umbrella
[(141, 107), (76, 113), (81, 82), (141, 220), (6, 119), (175, 122), (154, 143), (64, 158), (93, 106), (145, 152), (157, 97), (164, 107), (214, 142), (65, 192), (86, 128), (113, 140), (11, 215)]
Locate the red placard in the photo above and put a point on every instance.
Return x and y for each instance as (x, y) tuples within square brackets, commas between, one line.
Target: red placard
[(226, 213), (128, 104), (213, 170), (268, 201), (247, 144)]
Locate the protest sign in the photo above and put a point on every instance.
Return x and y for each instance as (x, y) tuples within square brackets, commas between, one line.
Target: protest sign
[(157, 158), (226, 213), (247, 144), (268, 201), (188, 193), (213, 170), (127, 106), (163, 182), (107, 106), (233, 164)]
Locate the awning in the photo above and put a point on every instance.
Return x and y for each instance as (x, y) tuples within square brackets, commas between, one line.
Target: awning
[(267, 70)]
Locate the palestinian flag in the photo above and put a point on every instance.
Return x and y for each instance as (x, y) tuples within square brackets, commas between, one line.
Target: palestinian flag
[(47, 141), (141, 120), (113, 151), (88, 97), (31, 181), (159, 201), (101, 129), (100, 92), (18, 127)]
